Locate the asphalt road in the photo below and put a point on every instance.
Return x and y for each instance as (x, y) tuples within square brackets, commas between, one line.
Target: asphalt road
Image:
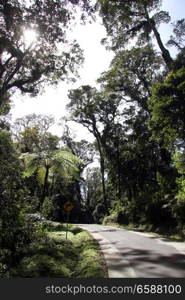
[(131, 254)]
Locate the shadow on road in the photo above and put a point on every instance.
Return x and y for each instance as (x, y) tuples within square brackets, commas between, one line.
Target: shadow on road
[(149, 263), (136, 256)]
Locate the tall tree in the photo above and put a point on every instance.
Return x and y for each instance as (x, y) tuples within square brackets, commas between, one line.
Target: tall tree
[(26, 64), (178, 37), (89, 107), (131, 75), (130, 19), (167, 121), (31, 133), (82, 149), (93, 192)]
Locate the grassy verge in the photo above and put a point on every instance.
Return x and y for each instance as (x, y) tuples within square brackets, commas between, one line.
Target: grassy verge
[(159, 232), (52, 255)]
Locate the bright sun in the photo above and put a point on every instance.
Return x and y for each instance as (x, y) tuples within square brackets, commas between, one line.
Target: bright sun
[(30, 37)]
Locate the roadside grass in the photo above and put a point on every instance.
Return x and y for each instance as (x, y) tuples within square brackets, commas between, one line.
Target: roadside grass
[(90, 263), (158, 232), (52, 255)]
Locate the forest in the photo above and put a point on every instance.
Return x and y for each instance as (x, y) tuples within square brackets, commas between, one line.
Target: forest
[(136, 114)]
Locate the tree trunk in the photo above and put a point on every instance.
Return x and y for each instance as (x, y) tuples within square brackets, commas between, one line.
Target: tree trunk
[(102, 169), (165, 53), (45, 187), (50, 192), (119, 172)]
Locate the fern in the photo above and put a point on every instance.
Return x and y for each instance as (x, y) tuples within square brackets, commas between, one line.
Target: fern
[(61, 162)]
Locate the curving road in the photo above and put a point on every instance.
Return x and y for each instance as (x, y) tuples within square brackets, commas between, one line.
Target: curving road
[(131, 254)]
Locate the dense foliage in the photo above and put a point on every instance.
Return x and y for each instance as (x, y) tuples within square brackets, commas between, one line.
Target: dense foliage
[(34, 51), (136, 116), (34, 44)]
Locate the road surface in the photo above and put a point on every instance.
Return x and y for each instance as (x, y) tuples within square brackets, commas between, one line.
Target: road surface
[(131, 254)]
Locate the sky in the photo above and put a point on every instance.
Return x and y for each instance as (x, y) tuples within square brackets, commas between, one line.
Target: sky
[(97, 60)]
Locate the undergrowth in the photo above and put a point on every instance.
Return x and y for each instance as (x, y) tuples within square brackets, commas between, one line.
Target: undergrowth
[(52, 255)]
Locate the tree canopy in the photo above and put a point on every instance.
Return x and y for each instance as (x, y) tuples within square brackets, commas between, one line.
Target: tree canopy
[(49, 57), (129, 20), (167, 108)]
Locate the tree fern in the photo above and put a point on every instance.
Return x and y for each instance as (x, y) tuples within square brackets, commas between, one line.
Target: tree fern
[(49, 164)]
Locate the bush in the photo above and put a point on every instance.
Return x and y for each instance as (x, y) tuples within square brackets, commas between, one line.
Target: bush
[(99, 213), (42, 265), (48, 208), (122, 218), (110, 219), (50, 254), (15, 231), (119, 215)]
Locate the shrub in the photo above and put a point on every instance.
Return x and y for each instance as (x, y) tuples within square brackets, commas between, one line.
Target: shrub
[(42, 265), (48, 208), (113, 218), (99, 213)]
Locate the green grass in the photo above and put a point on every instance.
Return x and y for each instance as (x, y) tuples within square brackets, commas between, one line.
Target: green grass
[(52, 255), (90, 263)]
